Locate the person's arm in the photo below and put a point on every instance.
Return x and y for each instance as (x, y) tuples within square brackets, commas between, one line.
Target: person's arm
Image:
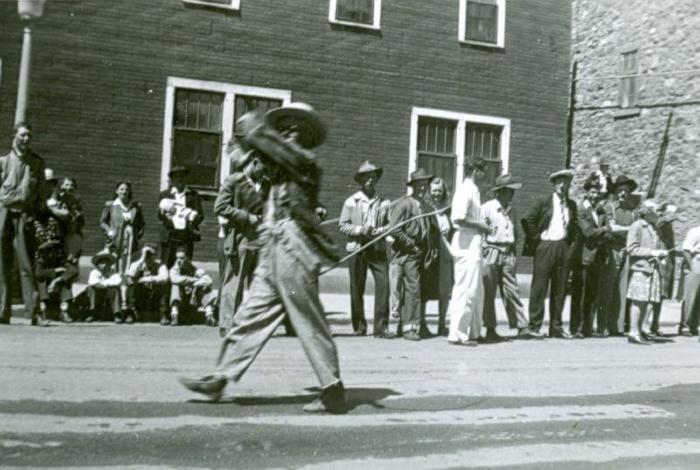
[(530, 221), (162, 276), (460, 208), (95, 278), (139, 222), (105, 219), (197, 206), (398, 214), (587, 227), (345, 225), (224, 205), (114, 280), (634, 244), (178, 279)]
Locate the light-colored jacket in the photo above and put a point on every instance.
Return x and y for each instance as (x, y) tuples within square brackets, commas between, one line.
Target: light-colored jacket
[(642, 241), (351, 220)]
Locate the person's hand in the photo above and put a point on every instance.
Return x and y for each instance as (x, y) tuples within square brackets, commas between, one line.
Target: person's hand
[(59, 270), (659, 253), (54, 285), (112, 234)]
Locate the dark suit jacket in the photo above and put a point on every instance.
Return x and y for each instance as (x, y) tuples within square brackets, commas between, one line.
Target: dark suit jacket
[(192, 201), (537, 220), (594, 238), (236, 201)]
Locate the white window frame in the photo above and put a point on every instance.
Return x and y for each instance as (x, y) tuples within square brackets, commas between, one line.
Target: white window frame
[(230, 91), (460, 137), (333, 4), (232, 4), (501, 25)]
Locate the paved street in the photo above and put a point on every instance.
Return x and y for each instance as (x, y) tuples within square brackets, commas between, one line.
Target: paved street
[(107, 396)]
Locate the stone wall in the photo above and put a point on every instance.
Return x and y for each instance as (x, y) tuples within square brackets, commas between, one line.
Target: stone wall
[(666, 34)]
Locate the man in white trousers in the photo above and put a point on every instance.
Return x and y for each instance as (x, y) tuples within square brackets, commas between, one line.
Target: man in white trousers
[(467, 302)]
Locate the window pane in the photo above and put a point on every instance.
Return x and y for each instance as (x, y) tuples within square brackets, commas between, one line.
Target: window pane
[(436, 136), (482, 22), (629, 65), (355, 11), (246, 103), (199, 152), (198, 110), (439, 166), (484, 141)]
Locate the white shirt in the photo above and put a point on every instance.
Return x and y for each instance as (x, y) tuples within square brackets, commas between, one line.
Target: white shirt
[(560, 220), (500, 220), (96, 278), (588, 206), (466, 205), (691, 243)]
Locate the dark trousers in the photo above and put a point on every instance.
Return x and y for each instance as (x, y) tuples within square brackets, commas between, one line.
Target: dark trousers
[(104, 302), (15, 241), (143, 298), (551, 271), (407, 270), (585, 305), (376, 261)]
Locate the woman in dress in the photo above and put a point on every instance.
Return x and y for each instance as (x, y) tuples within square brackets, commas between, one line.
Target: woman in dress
[(122, 222), (647, 257), (438, 281)]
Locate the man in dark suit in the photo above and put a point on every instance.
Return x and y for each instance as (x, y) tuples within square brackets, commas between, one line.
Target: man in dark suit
[(550, 227), (591, 257), (180, 213)]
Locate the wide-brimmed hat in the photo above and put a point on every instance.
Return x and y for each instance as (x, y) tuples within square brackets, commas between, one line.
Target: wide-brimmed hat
[(272, 146), (506, 181), (419, 175), (366, 168), (104, 255), (622, 180), (178, 170), (565, 173), (310, 128), (49, 174)]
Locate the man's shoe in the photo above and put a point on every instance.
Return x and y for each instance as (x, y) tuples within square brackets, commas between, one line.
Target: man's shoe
[(600, 334), (164, 320), (493, 337), (411, 335), (39, 319), (6, 320), (118, 318), (65, 317), (652, 338), (684, 332), (384, 335), (332, 400), (561, 334), (469, 343), (536, 334), (210, 321), (210, 385), (525, 333), (360, 332), (129, 318), (173, 320), (636, 339), (443, 331)]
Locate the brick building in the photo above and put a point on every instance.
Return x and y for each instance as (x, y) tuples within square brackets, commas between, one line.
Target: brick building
[(125, 89), (636, 62)]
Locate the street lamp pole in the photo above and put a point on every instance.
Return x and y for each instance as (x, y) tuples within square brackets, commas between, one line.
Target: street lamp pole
[(28, 10)]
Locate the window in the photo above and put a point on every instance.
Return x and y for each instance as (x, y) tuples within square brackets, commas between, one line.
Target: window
[(360, 13), (199, 122), (629, 68), (225, 4), (442, 141), (482, 22)]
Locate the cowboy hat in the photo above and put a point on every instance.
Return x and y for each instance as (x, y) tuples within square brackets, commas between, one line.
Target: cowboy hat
[(506, 181), (565, 173), (104, 255), (272, 146), (366, 168), (178, 170), (311, 131), (623, 180), (419, 175)]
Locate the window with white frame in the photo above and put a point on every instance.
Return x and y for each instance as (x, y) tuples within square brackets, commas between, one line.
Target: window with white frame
[(443, 141), (226, 4), (360, 13), (629, 69), (200, 119), (482, 22)]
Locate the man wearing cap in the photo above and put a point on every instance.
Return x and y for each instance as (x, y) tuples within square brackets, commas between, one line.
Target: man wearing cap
[(589, 260), (240, 204), (551, 229), (408, 250), (147, 282), (467, 300), (21, 186), (363, 217), (104, 284), (499, 260), (285, 283), (180, 213), (621, 212)]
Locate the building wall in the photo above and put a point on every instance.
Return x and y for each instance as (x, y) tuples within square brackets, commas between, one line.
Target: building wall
[(666, 34), (100, 70)]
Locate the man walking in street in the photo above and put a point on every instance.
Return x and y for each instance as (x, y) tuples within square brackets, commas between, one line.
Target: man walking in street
[(286, 279), (363, 217), (550, 227), (500, 259), (180, 214), (21, 187), (467, 301), (408, 250), (690, 309)]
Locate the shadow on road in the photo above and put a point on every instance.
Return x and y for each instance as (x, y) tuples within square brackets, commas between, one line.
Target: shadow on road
[(355, 397)]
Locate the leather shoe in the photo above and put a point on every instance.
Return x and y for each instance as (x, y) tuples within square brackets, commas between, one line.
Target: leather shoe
[(561, 334), (211, 386), (493, 337), (332, 400), (384, 335), (600, 334), (635, 339), (469, 343), (411, 336), (578, 335), (164, 320), (65, 317), (443, 331), (118, 318), (360, 332)]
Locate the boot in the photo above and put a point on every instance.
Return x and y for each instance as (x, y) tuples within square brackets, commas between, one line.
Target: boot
[(332, 400)]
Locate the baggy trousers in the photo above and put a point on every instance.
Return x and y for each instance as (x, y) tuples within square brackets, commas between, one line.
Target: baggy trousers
[(406, 279), (376, 261), (285, 283), (691, 299), (551, 266), (14, 241), (499, 275), (237, 277), (467, 301), (585, 304)]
